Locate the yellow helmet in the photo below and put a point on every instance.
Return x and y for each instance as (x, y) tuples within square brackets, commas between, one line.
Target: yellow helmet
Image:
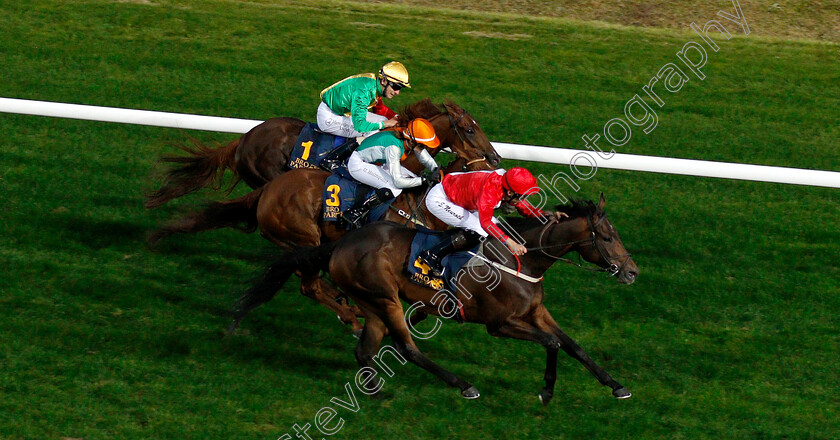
[(421, 131), (395, 72)]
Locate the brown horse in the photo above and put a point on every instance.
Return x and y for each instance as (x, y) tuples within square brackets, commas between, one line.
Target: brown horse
[(263, 153), (287, 212), (369, 265)]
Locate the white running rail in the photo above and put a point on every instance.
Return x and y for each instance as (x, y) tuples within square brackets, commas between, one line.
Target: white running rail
[(631, 162)]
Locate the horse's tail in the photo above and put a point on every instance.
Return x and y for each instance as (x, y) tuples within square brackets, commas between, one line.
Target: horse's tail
[(203, 166), (276, 275), (239, 213)]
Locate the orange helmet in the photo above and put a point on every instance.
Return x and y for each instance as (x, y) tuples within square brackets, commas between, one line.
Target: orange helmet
[(520, 181), (421, 131)]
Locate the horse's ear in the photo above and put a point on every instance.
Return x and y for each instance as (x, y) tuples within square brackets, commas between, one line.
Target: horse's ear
[(602, 202), (451, 106)]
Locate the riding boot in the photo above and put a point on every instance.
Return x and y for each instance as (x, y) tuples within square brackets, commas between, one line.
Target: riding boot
[(354, 215), (455, 240), (335, 157)]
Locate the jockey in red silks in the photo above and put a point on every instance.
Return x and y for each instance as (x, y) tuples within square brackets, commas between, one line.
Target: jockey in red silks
[(467, 201)]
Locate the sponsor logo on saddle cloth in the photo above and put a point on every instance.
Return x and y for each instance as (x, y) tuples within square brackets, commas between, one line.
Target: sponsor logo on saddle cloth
[(421, 274), (311, 147)]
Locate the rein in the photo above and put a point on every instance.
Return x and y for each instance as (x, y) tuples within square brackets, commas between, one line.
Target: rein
[(415, 210), (612, 270)]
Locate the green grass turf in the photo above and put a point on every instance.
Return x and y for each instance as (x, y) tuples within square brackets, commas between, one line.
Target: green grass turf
[(731, 330)]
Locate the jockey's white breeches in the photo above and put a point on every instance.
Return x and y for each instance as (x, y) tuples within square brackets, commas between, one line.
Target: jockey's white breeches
[(453, 215), (341, 125), (374, 175)]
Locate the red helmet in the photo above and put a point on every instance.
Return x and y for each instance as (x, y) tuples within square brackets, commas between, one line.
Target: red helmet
[(520, 181)]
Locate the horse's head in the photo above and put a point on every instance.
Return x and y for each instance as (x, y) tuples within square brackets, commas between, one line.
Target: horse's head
[(457, 131), (468, 140), (597, 241)]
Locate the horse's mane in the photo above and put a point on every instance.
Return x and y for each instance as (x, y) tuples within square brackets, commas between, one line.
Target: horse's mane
[(421, 109), (576, 208), (579, 208)]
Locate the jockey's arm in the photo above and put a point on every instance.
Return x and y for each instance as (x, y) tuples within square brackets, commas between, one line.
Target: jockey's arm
[(528, 210), (392, 161), (426, 159), (358, 114), (486, 204), (382, 110)]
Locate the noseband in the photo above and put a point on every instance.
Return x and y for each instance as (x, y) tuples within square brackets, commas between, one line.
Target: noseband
[(613, 268)]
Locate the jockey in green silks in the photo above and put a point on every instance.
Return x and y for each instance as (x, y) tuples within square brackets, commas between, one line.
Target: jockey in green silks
[(353, 107)]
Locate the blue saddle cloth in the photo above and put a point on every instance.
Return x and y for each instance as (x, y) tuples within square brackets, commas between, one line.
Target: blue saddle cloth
[(342, 192), (311, 146), (420, 274)]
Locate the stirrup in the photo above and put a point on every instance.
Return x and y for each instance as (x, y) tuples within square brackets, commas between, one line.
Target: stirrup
[(330, 164), (433, 261), (353, 217)]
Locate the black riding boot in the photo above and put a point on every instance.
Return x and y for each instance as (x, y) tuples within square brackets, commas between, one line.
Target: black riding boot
[(455, 240), (338, 155), (354, 215)]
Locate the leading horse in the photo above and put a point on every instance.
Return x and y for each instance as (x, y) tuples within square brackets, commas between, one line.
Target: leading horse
[(263, 153), (369, 265)]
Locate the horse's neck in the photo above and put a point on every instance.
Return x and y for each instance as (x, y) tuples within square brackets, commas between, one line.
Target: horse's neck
[(537, 260), (443, 129)]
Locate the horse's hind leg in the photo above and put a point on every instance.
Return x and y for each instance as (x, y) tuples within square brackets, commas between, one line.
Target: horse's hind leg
[(312, 286), (394, 317)]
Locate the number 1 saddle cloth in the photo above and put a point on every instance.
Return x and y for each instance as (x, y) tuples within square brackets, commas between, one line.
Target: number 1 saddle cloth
[(311, 146)]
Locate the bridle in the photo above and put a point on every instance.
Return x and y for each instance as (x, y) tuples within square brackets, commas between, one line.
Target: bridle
[(454, 124), (612, 270)]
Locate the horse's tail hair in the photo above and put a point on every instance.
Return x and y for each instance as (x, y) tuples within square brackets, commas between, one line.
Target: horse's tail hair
[(276, 275), (202, 166), (239, 213)]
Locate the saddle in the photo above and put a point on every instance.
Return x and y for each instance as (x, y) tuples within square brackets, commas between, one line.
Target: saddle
[(312, 145)]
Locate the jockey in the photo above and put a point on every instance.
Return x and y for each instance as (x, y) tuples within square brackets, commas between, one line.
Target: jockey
[(387, 147), (467, 200), (353, 107)]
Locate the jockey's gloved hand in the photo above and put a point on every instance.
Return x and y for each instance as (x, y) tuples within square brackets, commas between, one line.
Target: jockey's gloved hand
[(432, 177)]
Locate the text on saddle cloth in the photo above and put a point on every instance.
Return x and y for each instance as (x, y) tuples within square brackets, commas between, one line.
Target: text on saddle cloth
[(312, 145)]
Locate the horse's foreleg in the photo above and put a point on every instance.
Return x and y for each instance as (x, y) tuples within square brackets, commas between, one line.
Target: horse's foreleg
[(571, 348), (527, 331), (394, 318)]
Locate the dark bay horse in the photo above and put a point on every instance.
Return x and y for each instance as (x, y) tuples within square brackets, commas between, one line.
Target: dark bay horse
[(369, 265), (263, 153), (287, 211)]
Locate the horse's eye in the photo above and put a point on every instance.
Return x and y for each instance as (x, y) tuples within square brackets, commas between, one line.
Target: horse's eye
[(470, 130), (607, 239)]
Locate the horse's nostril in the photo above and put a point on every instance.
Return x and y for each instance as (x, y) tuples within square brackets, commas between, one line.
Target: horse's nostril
[(633, 273)]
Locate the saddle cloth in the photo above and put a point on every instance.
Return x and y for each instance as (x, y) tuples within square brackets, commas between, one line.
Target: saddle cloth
[(420, 273), (311, 146), (341, 192)]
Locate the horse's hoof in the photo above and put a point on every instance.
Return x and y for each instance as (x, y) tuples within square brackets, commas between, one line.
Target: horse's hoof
[(545, 397), (621, 393), (470, 393)]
